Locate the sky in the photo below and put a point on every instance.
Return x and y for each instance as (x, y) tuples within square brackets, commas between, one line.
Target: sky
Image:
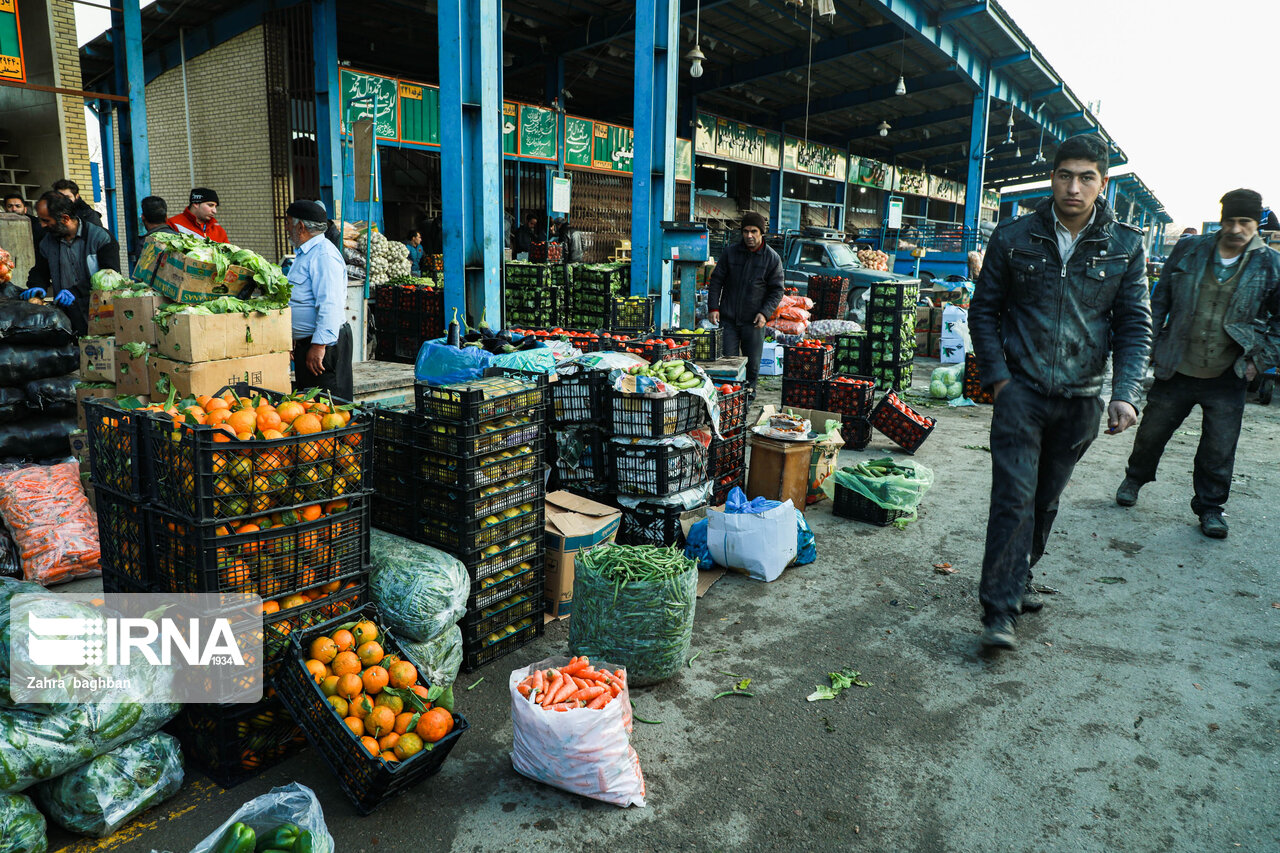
[(1189, 89)]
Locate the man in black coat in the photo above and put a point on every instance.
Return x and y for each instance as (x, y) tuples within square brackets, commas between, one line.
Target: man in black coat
[(71, 251), (745, 290), (83, 210)]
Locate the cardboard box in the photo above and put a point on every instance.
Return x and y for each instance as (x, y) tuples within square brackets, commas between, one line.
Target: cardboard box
[(133, 323), (951, 349), (269, 371), (148, 261), (923, 314), (935, 345), (922, 343), (98, 359), (79, 441), (935, 320), (826, 453), (131, 372), (101, 313), (771, 359), (184, 279), (955, 321), (211, 337), (83, 394), (574, 524)]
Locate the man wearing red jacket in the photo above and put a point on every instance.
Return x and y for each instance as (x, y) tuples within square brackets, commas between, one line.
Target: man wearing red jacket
[(198, 218)]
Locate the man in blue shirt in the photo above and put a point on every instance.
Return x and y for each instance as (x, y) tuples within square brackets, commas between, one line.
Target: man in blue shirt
[(321, 336), (414, 242)]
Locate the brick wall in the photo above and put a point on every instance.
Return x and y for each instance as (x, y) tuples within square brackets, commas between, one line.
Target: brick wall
[(67, 73), (227, 94)]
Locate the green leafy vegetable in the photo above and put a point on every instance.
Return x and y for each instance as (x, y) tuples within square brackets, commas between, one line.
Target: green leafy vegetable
[(109, 280), (135, 348), (840, 681), (221, 305)]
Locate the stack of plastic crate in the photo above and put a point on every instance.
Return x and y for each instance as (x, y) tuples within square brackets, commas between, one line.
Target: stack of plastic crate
[(891, 333)]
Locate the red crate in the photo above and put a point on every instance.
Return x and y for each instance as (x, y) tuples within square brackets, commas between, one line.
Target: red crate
[(808, 362), (900, 423), (852, 398)]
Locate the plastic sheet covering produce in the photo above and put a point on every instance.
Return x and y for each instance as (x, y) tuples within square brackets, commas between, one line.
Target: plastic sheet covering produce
[(56, 608), (49, 518), (292, 803), (827, 328), (634, 605), (20, 363), (101, 796), (22, 827), (947, 382), (888, 483), (419, 590), (53, 395), (37, 437), (25, 323), (13, 405), (440, 657)]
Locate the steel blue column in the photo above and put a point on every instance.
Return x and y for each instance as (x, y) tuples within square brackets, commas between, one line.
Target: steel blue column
[(1111, 194), (555, 86), (130, 80), (977, 156), (653, 175), (106, 121), (324, 49), (471, 141)]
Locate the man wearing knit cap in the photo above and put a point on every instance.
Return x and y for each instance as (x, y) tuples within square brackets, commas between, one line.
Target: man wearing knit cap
[(1216, 311), (198, 218), (321, 335), (745, 290)]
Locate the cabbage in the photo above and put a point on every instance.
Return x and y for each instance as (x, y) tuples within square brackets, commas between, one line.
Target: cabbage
[(108, 280)]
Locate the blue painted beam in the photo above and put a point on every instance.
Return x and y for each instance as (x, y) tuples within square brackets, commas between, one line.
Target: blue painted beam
[(797, 57), (653, 176), (105, 112), (928, 144), (1068, 116), (1026, 195), (975, 176), (911, 122), (1011, 59), (470, 41), (324, 51), (135, 154), (600, 30), (1044, 93), (860, 97), (959, 12)]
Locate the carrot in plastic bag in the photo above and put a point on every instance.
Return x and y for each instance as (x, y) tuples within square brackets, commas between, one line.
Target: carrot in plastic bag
[(51, 523)]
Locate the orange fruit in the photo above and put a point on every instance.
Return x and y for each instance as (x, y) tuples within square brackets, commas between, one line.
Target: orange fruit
[(407, 746), (365, 632), (361, 706), (215, 404), (268, 419), (349, 686), (402, 721), (195, 412), (339, 704), (331, 587), (329, 687), (389, 756), (370, 744), (318, 670), (203, 401), (223, 432), (269, 607), (401, 674), (332, 421), (422, 692), (374, 678), (311, 512), (434, 724), (370, 653), (272, 433), (379, 721), (289, 410), (306, 424), (388, 741), (395, 703), (243, 420), (294, 600), (324, 649), (356, 725), (217, 416), (345, 663), (344, 639)]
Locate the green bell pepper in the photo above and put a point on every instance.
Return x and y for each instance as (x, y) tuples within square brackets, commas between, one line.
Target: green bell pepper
[(282, 837), (238, 839), (305, 842)]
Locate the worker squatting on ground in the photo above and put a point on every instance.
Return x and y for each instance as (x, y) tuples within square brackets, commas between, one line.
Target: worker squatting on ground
[(1058, 288), (1217, 313), (745, 288)]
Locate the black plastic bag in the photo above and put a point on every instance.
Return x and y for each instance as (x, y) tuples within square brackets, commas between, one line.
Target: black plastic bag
[(21, 364), (37, 439), (55, 395), (28, 323), (13, 405)]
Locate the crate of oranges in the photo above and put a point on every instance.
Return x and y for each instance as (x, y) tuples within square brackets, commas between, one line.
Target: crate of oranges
[(247, 452), (362, 704), (233, 743)]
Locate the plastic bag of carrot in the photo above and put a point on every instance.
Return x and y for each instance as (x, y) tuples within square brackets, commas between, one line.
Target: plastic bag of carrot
[(570, 719), (50, 520)]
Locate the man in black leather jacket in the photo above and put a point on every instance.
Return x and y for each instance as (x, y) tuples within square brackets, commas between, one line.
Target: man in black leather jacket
[(745, 289), (1060, 290)]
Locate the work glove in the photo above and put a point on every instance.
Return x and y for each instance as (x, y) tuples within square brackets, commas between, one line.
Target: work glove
[(32, 292), (64, 298)]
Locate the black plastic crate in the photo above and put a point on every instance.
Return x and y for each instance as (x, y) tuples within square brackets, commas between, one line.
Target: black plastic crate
[(655, 470), (893, 377), (708, 344), (113, 582), (632, 314), (469, 472), (467, 439), (851, 399), (234, 743), (894, 294), (487, 649), (830, 295), (856, 432), (497, 611), (655, 349), (453, 533), (367, 780), (485, 399), (851, 354), (808, 362), (484, 502), (335, 599), (510, 556), (498, 586), (582, 456), (634, 415), (284, 558), (118, 458), (725, 483), (973, 381), (850, 504), (724, 456), (195, 472), (804, 394), (900, 423), (578, 398), (733, 408), (124, 526), (651, 524)]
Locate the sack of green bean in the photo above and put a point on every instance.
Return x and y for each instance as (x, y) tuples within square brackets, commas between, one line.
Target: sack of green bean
[(634, 605)]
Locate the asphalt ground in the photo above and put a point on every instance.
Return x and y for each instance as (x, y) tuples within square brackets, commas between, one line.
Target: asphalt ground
[(1140, 712)]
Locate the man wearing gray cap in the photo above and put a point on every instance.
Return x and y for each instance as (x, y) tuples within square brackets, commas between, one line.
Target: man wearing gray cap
[(321, 336), (1216, 311)]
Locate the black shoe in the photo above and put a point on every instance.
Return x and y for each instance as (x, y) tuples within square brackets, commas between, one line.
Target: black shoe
[(1213, 525), (1127, 494), (751, 393), (1032, 602), (999, 635)]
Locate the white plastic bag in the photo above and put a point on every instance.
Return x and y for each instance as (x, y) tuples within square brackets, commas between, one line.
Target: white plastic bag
[(292, 803), (582, 751), (761, 544)]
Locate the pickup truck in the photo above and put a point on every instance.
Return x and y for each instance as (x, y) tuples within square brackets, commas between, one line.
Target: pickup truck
[(816, 251)]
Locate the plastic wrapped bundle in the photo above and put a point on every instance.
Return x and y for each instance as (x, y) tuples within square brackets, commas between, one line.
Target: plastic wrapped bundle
[(22, 828), (26, 323), (440, 657), (54, 395), (419, 590)]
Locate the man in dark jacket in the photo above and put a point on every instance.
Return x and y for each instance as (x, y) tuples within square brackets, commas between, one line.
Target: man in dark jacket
[(1059, 288), (83, 210), (571, 239), (1217, 309), (71, 251), (745, 288)]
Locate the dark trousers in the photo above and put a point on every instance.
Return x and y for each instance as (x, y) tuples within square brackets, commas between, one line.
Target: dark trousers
[(1036, 442), (336, 378), (1221, 402), (747, 338)]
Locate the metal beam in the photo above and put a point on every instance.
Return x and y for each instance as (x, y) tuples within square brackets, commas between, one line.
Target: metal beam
[(1011, 59), (959, 12), (1068, 116), (135, 155), (870, 95), (1044, 93), (324, 58), (976, 174), (223, 28), (911, 122), (798, 57), (935, 142), (470, 40), (653, 162), (599, 31)]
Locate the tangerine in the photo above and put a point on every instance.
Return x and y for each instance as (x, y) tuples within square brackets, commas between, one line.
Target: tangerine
[(388, 741), (289, 411), (389, 757), (434, 724), (349, 686), (339, 704), (332, 421), (374, 679), (361, 706), (243, 420), (355, 724), (217, 416), (268, 419), (345, 640), (395, 703), (379, 721), (345, 663), (400, 674), (306, 424), (215, 404), (318, 670), (329, 687), (269, 607), (311, 512), (407, 746), (370, 653), (403, 719), (365, 632), (370, 744), (324, 649)]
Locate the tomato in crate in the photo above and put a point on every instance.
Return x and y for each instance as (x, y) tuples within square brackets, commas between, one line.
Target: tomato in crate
[(900, 423), (804, 393)]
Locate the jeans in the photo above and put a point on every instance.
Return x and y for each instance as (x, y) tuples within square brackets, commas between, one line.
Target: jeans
[(1036, 442), (1221, 402), (750, 340)]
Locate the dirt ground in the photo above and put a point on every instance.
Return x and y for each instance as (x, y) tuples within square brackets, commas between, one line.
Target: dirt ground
[(1138, 714)]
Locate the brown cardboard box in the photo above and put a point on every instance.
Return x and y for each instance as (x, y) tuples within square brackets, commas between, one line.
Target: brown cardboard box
[(922, 343), (98, 359), (131, 372), (101, 313), (923, 313), (935, 345), (133, 322), (79, 441), (185, 279), (574, 524), (269, 371), (210, 337), (83, 394), (935, 320)]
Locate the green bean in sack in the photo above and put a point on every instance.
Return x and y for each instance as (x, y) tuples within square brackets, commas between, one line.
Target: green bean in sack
[(633, 605)]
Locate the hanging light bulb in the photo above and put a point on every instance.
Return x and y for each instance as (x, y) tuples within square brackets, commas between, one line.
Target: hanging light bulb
[(901, 88), (1017, 152), (695, 58), (884, 128), (1008, 140)]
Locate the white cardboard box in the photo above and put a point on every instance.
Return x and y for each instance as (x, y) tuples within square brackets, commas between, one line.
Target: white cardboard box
[(771, 359)]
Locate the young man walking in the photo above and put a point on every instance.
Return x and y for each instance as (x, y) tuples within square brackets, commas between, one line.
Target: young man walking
[(1060, 289), (1217, 313), (745, 289)]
